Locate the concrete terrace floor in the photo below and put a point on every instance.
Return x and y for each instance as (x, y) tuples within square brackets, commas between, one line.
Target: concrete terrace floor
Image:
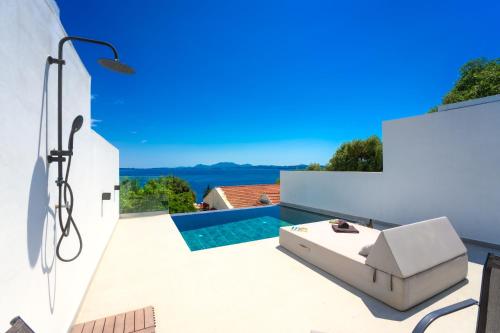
[(249, 287)]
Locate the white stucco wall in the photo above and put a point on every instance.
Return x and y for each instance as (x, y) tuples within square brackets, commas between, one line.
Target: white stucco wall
[(33, 284), (445, 163), (216, 199)]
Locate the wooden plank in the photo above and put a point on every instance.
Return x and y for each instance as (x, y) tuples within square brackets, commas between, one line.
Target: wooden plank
[(88, 327), (149, 317), (109, 325), (99, 325), (78, 328), (147, 330), (139, 319), (129, 322), (120, 323)]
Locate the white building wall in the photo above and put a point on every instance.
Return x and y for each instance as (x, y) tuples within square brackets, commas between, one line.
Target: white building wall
[(33, 284), (445, 163), (216, 199)]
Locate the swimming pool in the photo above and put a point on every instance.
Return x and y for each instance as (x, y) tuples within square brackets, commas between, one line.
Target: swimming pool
[(205, 230)]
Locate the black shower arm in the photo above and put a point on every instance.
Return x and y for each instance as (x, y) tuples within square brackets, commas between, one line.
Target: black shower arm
[(58, 155), (81, 39)]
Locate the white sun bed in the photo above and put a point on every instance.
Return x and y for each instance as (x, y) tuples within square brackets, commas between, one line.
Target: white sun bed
[(405, 266)]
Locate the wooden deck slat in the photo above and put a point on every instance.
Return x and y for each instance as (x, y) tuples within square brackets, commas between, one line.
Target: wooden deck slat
[(109, 325), (77, 328), (88, 327), (147, 330), (149, 318), (99, 325), (120, 323), (139, 319), (129, 322)]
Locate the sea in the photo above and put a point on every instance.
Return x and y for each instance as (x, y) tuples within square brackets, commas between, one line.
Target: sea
[(200, 178)]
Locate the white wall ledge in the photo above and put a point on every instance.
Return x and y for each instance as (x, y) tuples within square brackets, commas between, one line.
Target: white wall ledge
[(471, 102)]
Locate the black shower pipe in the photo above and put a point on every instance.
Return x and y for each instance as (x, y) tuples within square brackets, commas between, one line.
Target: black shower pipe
[(59, 154)]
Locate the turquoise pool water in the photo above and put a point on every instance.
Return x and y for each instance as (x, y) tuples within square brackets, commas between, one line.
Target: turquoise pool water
[(219, 228)]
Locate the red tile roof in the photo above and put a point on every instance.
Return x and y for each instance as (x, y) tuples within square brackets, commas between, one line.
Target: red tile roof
[(249, 195)]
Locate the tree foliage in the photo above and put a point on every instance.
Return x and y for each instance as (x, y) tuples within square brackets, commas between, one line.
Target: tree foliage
[(358, 155), (165, 193), (314, 167), (478, 78), (207, 190)]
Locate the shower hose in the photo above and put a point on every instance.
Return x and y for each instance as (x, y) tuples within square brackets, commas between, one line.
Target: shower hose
[(66, 192)]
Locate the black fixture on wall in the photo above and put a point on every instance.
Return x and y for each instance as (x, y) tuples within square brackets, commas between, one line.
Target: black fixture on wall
[(106, 196), (59, 155)]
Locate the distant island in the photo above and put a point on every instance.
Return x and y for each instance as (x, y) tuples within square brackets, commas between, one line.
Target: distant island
[(225, 165)]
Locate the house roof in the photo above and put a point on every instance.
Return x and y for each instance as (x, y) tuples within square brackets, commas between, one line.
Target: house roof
[(250, 195)]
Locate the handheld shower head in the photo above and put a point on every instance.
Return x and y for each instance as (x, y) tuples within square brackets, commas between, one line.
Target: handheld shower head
[(77, 124), (75, 127), (116, 66)]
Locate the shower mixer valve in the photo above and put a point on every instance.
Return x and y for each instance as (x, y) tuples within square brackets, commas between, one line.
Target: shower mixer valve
[(58, 156)]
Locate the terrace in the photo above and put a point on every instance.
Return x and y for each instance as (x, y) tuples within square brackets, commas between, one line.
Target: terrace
[(249, 287), (442, 164)]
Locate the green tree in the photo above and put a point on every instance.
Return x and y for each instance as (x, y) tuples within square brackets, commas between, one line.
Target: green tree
[(314, 167), (478, 78), (358, 155), (164, 193), (207, 190), (181, 203)]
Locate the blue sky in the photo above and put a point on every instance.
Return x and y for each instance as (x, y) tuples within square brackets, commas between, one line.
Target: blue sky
[(270, 82)]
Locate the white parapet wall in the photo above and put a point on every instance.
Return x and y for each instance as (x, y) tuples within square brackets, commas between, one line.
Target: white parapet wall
[(439, 164), (46, 292)]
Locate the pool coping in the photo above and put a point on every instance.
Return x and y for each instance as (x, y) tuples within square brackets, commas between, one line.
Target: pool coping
[(222, 210)]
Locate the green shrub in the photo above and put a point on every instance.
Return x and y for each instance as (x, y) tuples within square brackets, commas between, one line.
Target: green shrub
[(163, 193), (314, 167), (358, 155)]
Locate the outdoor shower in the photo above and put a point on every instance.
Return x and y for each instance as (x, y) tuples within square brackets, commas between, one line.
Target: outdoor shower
[(59, 155)]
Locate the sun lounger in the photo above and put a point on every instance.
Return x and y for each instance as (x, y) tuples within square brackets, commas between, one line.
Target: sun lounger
[(405, 266)]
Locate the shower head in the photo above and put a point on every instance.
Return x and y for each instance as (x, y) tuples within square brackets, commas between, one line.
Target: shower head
[(77, 124), (116, 66), (75, 127)]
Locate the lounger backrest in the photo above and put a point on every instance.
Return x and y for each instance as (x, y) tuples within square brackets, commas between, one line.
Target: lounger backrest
[(410, 249)]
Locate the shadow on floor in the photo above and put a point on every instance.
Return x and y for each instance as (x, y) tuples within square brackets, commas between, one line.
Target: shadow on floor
[(377, 308)]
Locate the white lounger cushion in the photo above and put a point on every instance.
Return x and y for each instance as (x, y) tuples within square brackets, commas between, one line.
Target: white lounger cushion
[(365, 250), (410, 249)]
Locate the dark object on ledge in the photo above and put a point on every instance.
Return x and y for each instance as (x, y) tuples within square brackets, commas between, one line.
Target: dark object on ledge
[(344, 227), (19, 326), (106, 196), (489, 301), (117, 187)]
